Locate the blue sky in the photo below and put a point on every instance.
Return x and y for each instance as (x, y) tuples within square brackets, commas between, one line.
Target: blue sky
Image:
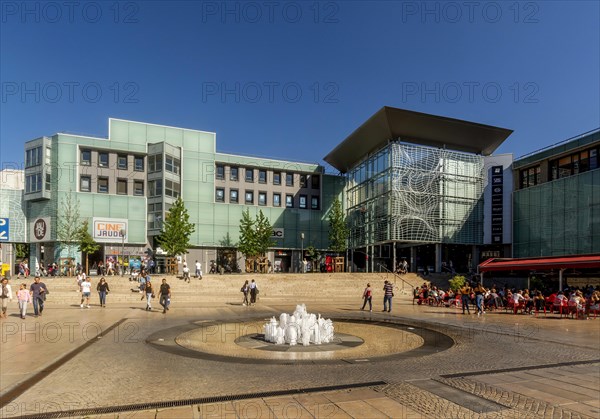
[(291, 79)]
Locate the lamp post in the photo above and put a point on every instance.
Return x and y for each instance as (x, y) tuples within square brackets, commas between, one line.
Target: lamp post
[(122, 233), (302, 251)]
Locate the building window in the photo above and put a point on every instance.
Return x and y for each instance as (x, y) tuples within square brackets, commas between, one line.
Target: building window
[(86, 157), (122, 162), (172, 164), (276, 178), (220, 195), (315, 181), (233, 196), (47, 185), (102, 185), (172, 189), (33, 157), (234, 174), (33, 183), (276, 200), (302, 203), (289, 179), (262, 198), (138, 164), (220, 171), (122, 186), (103, 159), (531, 176), (48, 155), (155, 163), (249, 175), (289, 201), (155, 187), (314, 202), (249, 197), (262, 176), (303, 181), (138, 187), (85, 184)]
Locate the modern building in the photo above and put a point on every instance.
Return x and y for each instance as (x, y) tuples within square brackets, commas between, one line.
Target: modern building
[(12, 216), (124, 185), (425, 188), (557, 199)]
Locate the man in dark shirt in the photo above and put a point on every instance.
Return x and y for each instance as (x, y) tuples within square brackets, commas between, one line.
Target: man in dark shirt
[(38, 293), (165, 295)]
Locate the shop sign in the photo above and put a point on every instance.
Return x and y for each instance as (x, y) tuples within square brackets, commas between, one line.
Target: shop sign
[(497, 203), (40, 230), (109, 230), (278, 233)]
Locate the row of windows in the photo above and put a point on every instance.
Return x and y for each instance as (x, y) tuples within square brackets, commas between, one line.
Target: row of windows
[(262, 199), (85, 185), (172, 189), (566, 166), (171, 164), (104, 160), (33, 156), (249, 175)]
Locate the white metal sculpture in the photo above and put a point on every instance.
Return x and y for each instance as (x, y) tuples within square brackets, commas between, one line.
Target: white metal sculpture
[(301, 327)]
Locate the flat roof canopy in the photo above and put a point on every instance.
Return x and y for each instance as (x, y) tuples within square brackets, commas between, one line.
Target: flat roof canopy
[(414, 127), (541, 264)]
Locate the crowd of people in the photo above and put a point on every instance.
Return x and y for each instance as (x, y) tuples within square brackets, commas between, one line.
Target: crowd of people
[(575, 301)]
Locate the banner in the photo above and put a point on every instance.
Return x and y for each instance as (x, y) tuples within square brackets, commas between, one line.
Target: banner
[(110, 230)]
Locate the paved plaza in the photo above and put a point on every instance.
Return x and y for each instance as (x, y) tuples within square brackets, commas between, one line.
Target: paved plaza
[(197, 360)]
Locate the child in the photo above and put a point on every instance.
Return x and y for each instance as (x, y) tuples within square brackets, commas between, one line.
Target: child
[(23, 297)]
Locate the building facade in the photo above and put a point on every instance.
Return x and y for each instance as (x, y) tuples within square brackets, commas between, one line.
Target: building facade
[(125, 184), (557, 199), (415, 190)]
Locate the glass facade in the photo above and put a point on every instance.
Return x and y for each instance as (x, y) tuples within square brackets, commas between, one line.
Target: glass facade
[(416, 194), (556, 218)]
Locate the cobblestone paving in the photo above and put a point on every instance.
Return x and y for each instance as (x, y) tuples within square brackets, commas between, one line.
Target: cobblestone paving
[(121, 368)]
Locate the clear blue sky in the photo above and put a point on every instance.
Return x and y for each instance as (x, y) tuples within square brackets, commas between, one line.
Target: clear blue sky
[(291, 79)]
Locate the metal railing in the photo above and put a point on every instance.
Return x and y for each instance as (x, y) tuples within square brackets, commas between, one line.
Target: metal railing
[(383, 269)]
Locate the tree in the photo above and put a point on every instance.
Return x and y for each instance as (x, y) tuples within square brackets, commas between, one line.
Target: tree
[(264, 231), (68, 223), (87, 244), (255, 237), (247, 245), (314, 257), (176, 230), (338, 228), (457, 282)]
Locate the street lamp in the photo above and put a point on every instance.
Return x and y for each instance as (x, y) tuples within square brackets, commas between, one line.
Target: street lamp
[(122, 233), (302, 251)]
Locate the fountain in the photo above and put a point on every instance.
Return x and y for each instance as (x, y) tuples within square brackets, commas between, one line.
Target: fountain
[(301, 327)]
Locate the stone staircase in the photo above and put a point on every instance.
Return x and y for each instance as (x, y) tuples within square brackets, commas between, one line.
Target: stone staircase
[(319, 287)]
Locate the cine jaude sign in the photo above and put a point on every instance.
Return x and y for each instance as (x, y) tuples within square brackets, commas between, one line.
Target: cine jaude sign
[(108, 230)]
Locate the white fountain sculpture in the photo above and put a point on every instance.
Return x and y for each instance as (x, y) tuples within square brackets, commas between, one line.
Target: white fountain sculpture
[(301, 327)]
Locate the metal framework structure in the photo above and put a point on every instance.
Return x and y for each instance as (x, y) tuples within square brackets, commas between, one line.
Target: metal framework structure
[(416, 194)]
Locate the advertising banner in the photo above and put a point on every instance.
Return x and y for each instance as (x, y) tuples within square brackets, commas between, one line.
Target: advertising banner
[(110, 230)]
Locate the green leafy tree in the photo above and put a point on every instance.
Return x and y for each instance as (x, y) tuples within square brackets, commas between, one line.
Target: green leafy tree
[(338, 228), (21, 250), (68, 223), (176, 230), (314, 256), (457, 282), (264, 231), (248, 243), (87, 244)]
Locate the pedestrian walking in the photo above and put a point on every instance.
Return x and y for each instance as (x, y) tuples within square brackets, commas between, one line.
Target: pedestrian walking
[(23, 298), (245, 289), (165, 295), (149, 295), (388, 293), (253, 292), (86, 290), (479, 293), (198, 270), (367, 297), (186, 272), (6, 296), (38, 291), (465, 296), (102, 289)]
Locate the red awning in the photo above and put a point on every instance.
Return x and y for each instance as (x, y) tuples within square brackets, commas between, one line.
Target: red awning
[(541, 264)]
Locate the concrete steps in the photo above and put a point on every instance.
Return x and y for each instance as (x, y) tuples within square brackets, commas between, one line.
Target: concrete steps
[(226, 288)]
